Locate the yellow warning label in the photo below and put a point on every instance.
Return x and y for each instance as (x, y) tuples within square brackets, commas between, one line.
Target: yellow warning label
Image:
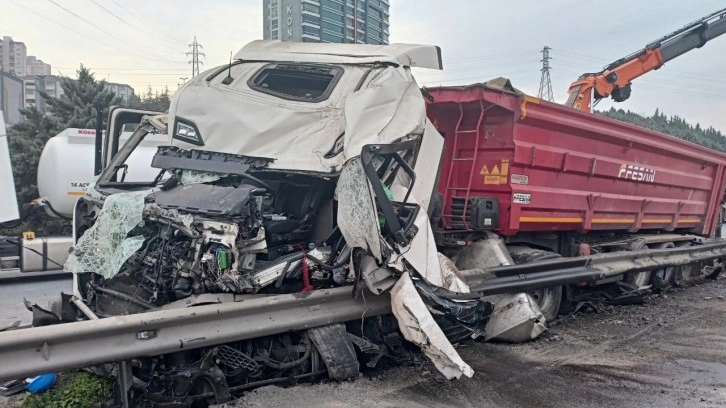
[(496, 176), (491, 179), (28, 235), (505, 171)]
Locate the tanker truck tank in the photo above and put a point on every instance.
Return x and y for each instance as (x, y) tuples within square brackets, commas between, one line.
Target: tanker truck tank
[(65, 168), (8, 203)]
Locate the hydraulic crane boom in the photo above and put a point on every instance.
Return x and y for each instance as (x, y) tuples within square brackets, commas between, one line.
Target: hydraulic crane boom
[(615, 79)]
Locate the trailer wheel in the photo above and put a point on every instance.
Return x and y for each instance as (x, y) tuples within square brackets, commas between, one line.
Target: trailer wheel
[(663, 278), (683, 272), (548, 299), (639, 280)]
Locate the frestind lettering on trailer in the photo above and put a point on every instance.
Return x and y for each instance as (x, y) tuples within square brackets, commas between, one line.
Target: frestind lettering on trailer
[(635, 173)]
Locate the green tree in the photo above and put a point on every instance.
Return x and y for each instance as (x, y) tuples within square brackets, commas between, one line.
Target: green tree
[(75, 108), (673, 125), (26, 141), (154, 101)]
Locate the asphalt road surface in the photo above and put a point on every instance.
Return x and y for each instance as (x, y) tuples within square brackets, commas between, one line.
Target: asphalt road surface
[(38, 289), (670, 352)]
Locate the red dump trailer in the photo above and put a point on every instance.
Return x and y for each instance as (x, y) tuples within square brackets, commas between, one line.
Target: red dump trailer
[(539, 166)]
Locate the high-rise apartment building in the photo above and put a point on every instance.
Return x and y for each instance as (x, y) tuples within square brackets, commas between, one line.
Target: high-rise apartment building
[(35, 66), (13, 55), (334, 21)]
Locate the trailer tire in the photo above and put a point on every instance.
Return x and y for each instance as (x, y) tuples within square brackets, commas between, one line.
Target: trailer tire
[(683, 272), (548, 299), (639, 280), (665, 277)]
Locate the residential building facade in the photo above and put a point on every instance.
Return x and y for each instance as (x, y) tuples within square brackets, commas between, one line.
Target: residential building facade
[(52, 85), (12, 97), (123, 91), (33, 86), (35, 66), (13, 55), (333, 21)]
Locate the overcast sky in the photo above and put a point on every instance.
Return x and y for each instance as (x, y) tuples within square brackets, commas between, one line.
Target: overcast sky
[(142, 42)]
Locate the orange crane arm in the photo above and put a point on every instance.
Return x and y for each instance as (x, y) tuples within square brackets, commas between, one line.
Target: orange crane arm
[(615, 80)]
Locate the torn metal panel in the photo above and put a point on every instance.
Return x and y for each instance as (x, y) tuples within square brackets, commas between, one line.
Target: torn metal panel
[(234, 118), (418, 326), (377, 278), (105, 246), (412, 55), (423, 255), (357, 217), (426, 166), (484, 253), (389, 108), (515, 319)]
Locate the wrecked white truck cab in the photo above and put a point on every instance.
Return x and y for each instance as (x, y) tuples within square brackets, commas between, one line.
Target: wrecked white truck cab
[(297, 167)]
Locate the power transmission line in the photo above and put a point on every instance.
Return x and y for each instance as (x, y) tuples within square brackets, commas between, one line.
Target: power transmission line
[(195, 53), (101, 29), (479, 67), (129, 69), (145, 31), (545, 82), (148, 25), (80, 33)]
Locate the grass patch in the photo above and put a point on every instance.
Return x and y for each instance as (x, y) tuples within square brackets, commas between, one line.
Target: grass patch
[(72, 390)]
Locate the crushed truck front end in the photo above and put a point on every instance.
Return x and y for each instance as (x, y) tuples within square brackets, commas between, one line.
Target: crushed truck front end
[(295, 169)]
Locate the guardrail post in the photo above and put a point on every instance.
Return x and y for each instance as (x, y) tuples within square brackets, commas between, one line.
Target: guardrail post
[(125, 380)]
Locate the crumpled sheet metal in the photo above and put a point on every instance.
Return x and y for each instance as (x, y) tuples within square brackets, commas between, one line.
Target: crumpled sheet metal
[(418, 326), (389, 108), (357, 217), (105, 246), (516, 318)]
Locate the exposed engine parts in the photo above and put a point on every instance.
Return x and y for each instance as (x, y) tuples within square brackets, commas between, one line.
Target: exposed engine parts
[(229, 237)]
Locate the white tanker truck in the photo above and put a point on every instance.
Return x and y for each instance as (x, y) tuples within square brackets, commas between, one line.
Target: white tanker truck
[(65, 170)]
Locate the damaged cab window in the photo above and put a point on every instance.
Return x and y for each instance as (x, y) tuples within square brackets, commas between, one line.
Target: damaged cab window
[(299, 82)]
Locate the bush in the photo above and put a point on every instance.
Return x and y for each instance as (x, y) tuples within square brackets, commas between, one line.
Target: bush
[(73, 390)]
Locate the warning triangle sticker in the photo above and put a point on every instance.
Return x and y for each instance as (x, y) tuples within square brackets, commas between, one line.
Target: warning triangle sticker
[(484, 171), (495, 170)]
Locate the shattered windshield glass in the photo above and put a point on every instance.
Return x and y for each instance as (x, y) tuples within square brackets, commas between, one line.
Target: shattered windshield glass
[(106, 245)]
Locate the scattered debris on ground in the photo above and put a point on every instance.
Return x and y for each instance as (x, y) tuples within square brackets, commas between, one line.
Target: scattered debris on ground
[(606, 355)]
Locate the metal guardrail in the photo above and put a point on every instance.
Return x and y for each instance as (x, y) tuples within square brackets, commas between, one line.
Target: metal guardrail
[(563, 271), (37, 350)]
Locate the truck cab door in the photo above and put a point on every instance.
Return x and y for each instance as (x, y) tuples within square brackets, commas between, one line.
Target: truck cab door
[(121, 122)]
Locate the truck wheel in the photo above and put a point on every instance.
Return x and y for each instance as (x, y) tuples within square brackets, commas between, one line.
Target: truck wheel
[(664, 278), (548, 299), (683, 272), (638, 280)]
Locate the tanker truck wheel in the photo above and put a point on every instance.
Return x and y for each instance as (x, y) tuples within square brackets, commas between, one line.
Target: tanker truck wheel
[(548, 299), (665, 277), (639, 280)]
